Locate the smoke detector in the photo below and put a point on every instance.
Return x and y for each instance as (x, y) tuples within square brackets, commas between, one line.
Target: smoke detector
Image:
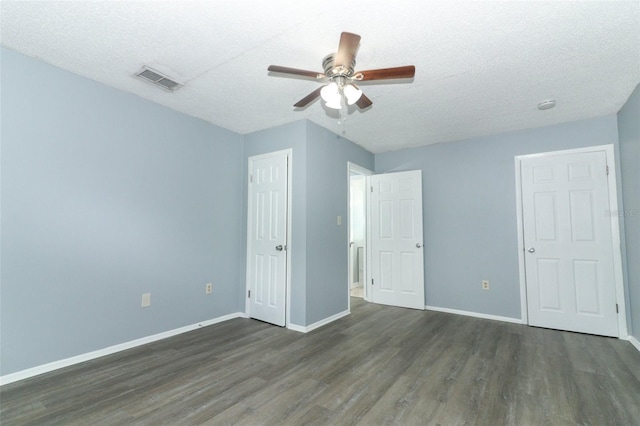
[(157, 78), (546, 104)]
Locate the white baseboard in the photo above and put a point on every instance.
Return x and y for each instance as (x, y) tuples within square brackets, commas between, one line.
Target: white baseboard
[(46, 368), (475, 314), (308, 328), (635, 342), (296, 327)]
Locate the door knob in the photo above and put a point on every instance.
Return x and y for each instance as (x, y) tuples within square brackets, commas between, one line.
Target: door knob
[(531, 250), (279, 247), (418, 245)]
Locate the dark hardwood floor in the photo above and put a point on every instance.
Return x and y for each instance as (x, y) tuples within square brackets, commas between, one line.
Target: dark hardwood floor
[(380, 365)]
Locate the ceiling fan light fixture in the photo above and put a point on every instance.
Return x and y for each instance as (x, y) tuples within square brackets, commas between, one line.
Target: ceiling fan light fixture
[(331, 95), (335, 103), (330, 92), (352, 93)]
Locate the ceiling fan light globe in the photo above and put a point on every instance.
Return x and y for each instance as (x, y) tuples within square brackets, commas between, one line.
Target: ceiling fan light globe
[(335, 103), (330, 92), (352, 94)]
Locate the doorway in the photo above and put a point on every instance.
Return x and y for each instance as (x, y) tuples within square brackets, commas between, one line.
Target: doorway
[(357, 220)]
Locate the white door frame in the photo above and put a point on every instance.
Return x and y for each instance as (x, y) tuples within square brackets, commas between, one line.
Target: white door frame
[(289, 154), (615, 230), (365, 172)]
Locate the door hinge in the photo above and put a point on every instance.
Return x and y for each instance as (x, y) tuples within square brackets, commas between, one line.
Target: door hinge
[(249, 294), (617, 311), (371, 281), (250, 178), (607, 170), (372, 189)]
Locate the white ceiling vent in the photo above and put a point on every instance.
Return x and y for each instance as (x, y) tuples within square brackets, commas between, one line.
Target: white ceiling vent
[(158, 79)]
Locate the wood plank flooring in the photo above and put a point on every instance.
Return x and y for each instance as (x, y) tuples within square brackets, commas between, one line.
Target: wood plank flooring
[(380, 365)]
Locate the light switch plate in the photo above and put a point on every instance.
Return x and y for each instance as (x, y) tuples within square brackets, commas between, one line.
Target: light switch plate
[(146, 300)]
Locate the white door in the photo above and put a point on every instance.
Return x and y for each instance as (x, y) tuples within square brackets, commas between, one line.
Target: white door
[(569, 265), (397, 263), (267, 238)]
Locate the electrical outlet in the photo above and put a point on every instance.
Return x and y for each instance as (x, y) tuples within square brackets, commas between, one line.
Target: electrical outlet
[(146, 300), (485, 284), (208, 288)]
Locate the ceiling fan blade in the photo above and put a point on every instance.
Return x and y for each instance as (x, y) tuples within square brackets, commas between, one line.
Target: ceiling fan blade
[(309, 98), (294, 71), (364, 102), (386, 73), (347, 49)]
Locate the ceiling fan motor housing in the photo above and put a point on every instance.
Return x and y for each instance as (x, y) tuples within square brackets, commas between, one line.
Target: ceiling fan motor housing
[(332, 71)]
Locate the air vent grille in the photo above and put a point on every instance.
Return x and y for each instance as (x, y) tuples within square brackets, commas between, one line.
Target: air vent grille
[(158, 79)]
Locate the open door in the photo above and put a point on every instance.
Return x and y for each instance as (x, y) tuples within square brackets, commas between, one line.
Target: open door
[(395, 237)]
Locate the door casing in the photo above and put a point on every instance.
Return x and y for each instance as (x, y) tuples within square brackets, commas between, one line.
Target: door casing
[(615, 231)]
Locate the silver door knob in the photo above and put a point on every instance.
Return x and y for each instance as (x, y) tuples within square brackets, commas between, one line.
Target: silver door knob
[(418, 245), (279, 247), (531, 250)]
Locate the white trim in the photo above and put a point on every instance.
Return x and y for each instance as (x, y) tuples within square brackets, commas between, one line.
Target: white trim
[(519, 223), (616, 243), (289, 222), (296, 327), (634, 342), (289, 153), (367, 258), (474, 314), (46, 368), (364, 172), (308, 328), (615, 230)]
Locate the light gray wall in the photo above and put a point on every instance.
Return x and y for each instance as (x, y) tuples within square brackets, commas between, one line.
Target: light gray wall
[(629, 132), (328, 198), (469, 208), (292, 136), (106, 196)]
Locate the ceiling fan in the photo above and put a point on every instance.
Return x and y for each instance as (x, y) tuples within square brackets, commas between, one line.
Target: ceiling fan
[(340, 75)]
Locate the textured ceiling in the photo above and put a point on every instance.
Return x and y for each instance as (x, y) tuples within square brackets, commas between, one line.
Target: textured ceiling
[(481, 67)]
